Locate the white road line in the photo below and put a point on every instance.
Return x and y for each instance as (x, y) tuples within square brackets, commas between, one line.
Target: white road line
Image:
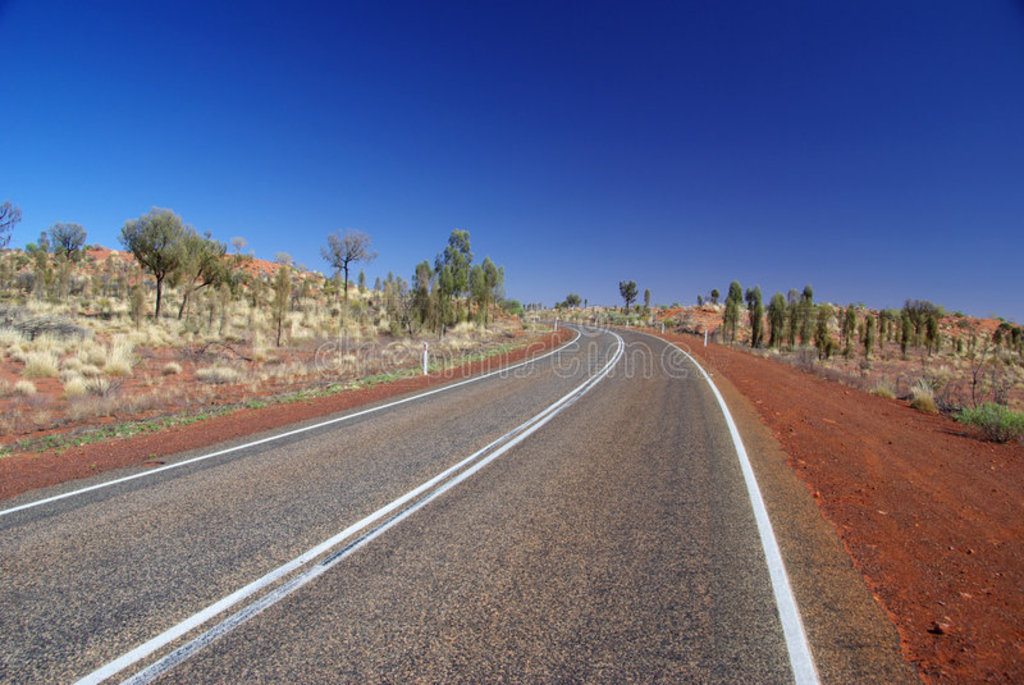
[(480, 457), (279, 436), (800, 658)]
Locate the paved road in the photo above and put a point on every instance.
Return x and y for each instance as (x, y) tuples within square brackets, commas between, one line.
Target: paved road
[(583, 517)]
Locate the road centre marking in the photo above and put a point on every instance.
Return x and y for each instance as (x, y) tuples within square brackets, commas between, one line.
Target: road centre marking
[(432, 488)]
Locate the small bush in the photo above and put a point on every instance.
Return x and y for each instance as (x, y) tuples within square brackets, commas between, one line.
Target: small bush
[(996, 422)]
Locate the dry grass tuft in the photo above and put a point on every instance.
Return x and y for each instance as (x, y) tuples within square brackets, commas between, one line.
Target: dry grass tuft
[(219, 374), (171, 369), (25, 388), (119, 359), (923, 398), (42, 364), (75, 386)]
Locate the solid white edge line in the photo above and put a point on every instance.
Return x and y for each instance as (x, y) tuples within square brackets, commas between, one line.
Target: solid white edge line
[(800, 657), (279, 436), (201, 617)]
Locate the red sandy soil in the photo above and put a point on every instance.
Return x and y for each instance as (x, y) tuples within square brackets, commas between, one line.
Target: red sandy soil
[(930, 513), (23, 472)]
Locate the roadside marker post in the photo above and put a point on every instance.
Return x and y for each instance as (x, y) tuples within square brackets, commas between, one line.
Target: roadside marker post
[(705, 337), (424, 359)]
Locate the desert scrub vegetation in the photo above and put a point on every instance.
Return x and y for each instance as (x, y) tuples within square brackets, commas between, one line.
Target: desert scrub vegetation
[(219, 374), (995, 421), (923, 397), (120, 330), (42, 364)]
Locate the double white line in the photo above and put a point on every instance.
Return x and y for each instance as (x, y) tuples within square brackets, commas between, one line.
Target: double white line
[(331, 551)]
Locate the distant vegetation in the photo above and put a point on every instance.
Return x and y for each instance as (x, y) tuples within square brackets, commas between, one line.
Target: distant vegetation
[(119, 332), (936, 360)]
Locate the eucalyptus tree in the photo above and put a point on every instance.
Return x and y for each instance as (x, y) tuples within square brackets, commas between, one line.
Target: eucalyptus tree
[(344, 249), (154, 239)]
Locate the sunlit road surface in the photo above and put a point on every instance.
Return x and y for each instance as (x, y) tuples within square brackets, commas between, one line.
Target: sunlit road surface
[(582, 517)]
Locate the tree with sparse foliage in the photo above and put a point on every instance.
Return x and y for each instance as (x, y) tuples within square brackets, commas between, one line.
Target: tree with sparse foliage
[(627, 289), (647, 300), (715, 295), (154, 239), (9, 217), (572, 300), (282, 296), (344, 249), (67, 240)]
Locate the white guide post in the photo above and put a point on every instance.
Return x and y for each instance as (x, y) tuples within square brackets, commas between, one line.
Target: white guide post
[(424, 359)]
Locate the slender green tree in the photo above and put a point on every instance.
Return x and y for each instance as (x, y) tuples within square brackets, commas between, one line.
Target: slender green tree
[(776, 320), (755, 312), (822, 337), (731, 316), (282, 296), (869, 335), (793, 315), (452, 268), (807, 328)]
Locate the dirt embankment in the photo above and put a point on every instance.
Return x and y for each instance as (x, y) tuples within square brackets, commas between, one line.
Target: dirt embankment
[(930, 513), (23, 472)]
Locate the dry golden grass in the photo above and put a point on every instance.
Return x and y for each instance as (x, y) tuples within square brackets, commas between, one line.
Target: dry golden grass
[(219, 374), (42, 364), (24, 387), (171, 369)]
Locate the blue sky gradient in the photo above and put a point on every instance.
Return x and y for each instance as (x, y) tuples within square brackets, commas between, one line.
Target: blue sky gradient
[(872, 149)]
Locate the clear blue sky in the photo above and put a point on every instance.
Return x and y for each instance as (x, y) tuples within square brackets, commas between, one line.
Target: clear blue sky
[(872, 149)]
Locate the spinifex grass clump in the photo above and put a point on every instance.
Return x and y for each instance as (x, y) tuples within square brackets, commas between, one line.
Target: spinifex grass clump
[(997, 422)]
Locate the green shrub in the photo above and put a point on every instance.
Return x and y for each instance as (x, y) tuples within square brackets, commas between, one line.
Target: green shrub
[(995, 421)]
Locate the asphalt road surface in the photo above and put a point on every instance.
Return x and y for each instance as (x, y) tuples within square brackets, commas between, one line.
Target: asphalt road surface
[(582, 517)]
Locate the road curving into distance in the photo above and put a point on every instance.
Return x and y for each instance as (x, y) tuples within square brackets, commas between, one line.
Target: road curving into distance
[(583, 516)]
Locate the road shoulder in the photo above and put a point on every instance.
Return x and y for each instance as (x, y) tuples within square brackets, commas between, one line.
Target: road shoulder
[(851, 637)]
